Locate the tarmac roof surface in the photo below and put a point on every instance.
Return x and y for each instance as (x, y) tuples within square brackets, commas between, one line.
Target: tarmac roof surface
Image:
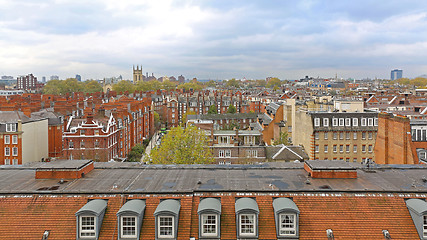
[(137, 178)]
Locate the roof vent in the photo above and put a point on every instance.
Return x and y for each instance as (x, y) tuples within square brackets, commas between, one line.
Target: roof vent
[(386, 234), (64, 169), (330, 234), (329, 169), (45, 235)]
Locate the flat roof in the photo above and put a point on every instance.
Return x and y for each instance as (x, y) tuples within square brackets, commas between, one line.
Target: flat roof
[(64, 164)]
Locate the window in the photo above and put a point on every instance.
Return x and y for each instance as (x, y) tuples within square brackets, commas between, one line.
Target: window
[(347, 135), (375, 122), (316, 148), (10, 127), (166, 225), (7, 139), (316, 135), (15, 151), (363, 135), (341, 135), (251, 153), (355, 148), (87, 226), (334, 148), (341, 148), (347, 148), (227, 153), (348, 122), (334, 122), (369, 135), (326, 136), (71, 144), (247, 224), (370, 122), (82, 144), (326, 148), (363, 148), (363, 122), (7, 151), (325, 122), (221, 153), (224, 139), (7, 161), (14, 139), (424, 226), (128, 227), (96, 143), (369, 148), (96, 132), (355, 135), (82, 132), (287, 225), (355, 122), (289, 127), (209, 225), (317, 122), (354, 159), (341, 122), (335, 135)]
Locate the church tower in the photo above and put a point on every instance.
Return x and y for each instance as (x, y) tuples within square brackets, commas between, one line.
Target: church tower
[(137, 74)]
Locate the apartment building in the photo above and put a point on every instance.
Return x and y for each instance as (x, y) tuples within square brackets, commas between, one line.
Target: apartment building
[(341, 136)]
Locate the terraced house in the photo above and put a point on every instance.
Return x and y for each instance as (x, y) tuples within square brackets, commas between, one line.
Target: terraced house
[(313, 200)]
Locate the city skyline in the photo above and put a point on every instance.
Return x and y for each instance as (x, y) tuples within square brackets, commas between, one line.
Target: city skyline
[(213, 39)]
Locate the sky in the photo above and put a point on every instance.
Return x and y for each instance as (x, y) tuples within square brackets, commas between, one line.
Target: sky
[(213, 39)]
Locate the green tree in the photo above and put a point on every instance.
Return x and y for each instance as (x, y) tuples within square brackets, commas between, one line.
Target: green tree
[(231, 109), (124, 86), (53, 87), (136, 153), (190, 85), (156, 120), (273, 82), (283, 139), (233, 83), (211, 83), (183, 146), (212, 109), (168, 85), (92, 86), (260, 83)]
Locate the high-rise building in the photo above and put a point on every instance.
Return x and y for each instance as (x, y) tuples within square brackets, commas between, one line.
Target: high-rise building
[(26, 82), (54, 77), (396, 74), (78, 77)]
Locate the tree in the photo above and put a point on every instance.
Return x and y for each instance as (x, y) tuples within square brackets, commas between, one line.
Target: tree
[(212, 109), (156, 120), (190, 85), (136, 153), (233, 83), (260, 83), (183, 146), (283, 139), (211, 83), (231, 109), (168, 85), (53, 87), (92, 86), (124, 86), (273, 82)]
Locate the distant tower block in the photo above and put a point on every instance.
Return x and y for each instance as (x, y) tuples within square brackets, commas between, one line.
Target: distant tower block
[(137, 74)]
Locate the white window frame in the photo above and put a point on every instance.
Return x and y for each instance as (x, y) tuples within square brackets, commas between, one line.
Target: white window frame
[(242, 234), (282, 228), (325, 122), (348, 122), (334, 122), (7, 139), (354, 135), (355, 148), (122, 226), (159, 226), (227, 153), (375, 122), (355, 122), (81, 231), (205, 216), (7, 151), (341, 122), (317, 122), (316, 148), (363, 122), (14, 139), (7, 161), (15, 161), (221, 154), (316, 135), (424, 225), (325, 148), (370, 122), (10, 127), (325, 136), (14, 151)]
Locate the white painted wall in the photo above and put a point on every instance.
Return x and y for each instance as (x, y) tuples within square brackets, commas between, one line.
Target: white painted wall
[(35, 141)]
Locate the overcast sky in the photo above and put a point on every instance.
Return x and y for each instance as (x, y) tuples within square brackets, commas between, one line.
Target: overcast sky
[(213, 39)]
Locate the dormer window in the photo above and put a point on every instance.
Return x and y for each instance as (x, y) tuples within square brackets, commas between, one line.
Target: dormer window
[(209, 218), (129, 219), (418, 210), (286, 215), (89, 219), (10, 127), (247, 218), (166, 216)]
